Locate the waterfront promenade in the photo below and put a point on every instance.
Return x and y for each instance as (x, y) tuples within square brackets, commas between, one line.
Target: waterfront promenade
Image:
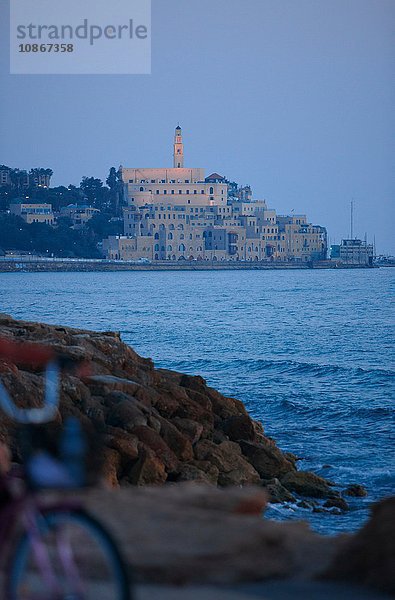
[(37, 264)]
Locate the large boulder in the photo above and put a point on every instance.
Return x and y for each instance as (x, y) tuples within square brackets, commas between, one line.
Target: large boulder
[(239, 427), (179, 443), (266, 458), (233, 468), (307, 484), (149, 469), (163, 453)]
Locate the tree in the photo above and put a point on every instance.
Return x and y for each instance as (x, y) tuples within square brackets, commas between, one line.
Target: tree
[(98, 196), (116, 185)]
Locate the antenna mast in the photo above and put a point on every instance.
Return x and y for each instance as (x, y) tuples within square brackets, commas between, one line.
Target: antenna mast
[(352, 219)]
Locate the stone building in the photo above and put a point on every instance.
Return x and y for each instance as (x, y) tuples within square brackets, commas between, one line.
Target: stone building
[(79, 214), (33, 213), (179, 214)]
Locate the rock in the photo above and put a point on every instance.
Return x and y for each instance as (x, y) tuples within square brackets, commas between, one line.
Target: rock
[(239, 427), (154, 423), (329, 511), (110, 382), (225, 407), (267, 459), (233, 468), (307, 484), (126, 415), (149, 469), (291, 457), (211, 471), (191, 429), (127, 448), (305, 504), (277, 492), (198, 409), (150, 438), (356, 490), (337, 502), (178, 442), (4, 318), (369, 556), (110, 467), (190, 472)]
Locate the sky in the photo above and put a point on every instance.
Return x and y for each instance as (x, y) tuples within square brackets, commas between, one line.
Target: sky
[(294, 97)]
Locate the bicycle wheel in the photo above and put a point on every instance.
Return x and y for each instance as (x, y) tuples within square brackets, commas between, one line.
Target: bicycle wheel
[(71, 558)]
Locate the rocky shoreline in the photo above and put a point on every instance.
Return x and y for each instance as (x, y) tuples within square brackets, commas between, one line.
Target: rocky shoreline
[(159, 426), (192, 474)]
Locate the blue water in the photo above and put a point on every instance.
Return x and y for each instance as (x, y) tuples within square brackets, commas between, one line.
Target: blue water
[(309, 352)]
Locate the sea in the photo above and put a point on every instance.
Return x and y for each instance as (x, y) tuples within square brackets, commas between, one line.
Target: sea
[(309, 352)]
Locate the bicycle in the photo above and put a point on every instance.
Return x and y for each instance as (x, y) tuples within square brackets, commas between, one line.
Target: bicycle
[(56, 550)]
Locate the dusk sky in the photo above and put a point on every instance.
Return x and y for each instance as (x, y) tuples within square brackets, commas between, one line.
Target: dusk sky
[(294, 97)]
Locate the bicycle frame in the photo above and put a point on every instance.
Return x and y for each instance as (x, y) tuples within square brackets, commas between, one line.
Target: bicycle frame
[(25, 509)]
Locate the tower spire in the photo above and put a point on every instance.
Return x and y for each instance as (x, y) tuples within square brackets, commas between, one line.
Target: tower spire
[(178, 149)]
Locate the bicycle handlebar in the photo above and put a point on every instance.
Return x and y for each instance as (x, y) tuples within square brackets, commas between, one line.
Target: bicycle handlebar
[(35, 415), (34, 355)]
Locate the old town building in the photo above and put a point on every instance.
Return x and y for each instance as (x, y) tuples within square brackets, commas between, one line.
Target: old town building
[(179, 214)]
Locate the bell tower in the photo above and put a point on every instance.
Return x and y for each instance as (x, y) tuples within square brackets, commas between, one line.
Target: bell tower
[(178, 152)]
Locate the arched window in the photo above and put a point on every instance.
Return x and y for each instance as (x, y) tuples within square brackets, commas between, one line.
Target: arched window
[(170, 236), (156, 237), (181, 248), (156, 248), (182, 236), (141, 189), (211, 190), (169, 248)]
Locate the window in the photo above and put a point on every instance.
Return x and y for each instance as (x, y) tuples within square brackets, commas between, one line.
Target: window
[(169, 248), (172, 191), (181, 248), (170, 236), (141, 189), (180, 191), (165, 191), (157, 191), (211, 190), (156, 248)]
